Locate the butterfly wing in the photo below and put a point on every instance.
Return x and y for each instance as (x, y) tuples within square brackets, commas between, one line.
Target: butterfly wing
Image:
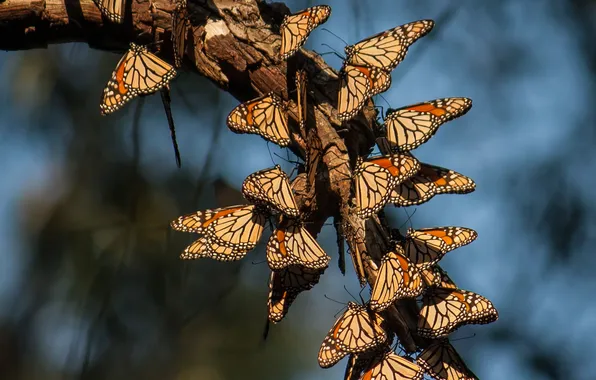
[(264, 116), (393, 367), (357, 84), (292, 244), (112, 9), (145, 72), (426, 246), (116, 94), (284, 287), (445, 310), (442, 362), (238, 228), (401, 166), (205, 247), (397, 278), (179, 31), (428, 182), (138, 72), (356, 331), (373, 186), (387, 49), (436, 277), (375, 179), (412, 126), (271, 188), (296, 28)]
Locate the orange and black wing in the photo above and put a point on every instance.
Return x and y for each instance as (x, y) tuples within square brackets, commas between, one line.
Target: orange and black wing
[(206, 247), (284, 287), (296, 28), (435, 276), (355, 331), (292, 244), (139, 72), (397, 278), (112, 9), (357, 84), (238, 228), (426, 246), (445, 310), (442, 362), (376, 178), (387, 49), (412, 126), (390, 366), (271, 188), (265, 116), (428, 182)]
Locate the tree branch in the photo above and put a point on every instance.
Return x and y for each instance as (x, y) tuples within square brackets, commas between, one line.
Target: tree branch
[(235, 45)]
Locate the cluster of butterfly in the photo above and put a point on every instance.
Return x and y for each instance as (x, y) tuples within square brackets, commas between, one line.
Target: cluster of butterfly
[(409, 270)]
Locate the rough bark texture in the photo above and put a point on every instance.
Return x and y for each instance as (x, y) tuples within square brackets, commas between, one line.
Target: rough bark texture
[(235, 45)]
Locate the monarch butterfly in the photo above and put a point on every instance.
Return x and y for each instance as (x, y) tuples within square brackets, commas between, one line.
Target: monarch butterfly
[(138, 72), (356, 330), (426, 246), (387, 49), (437, 277), (229, 232), (397, 278), (376, 177), (271, 188), (393, 367), (112, 9), (296, 28), (428, 182), (265, 116), (301, 81), (179, 31), (284, 287), (412, 126), (442, 362), (445, 310), (357, 84), (292, 244)]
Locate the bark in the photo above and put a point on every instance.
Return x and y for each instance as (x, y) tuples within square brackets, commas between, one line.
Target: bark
[(235, 45)]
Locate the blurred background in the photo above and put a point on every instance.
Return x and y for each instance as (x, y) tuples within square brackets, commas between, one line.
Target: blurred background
[(90, 282)]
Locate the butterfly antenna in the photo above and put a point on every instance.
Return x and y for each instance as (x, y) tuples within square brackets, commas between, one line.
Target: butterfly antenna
[(360, 294), (351, 295), (270, 154), (258, 262), (335, 35), (167, 105), (333, 51), (286, 159), (409, 219), (334, 300), (464, 338)]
